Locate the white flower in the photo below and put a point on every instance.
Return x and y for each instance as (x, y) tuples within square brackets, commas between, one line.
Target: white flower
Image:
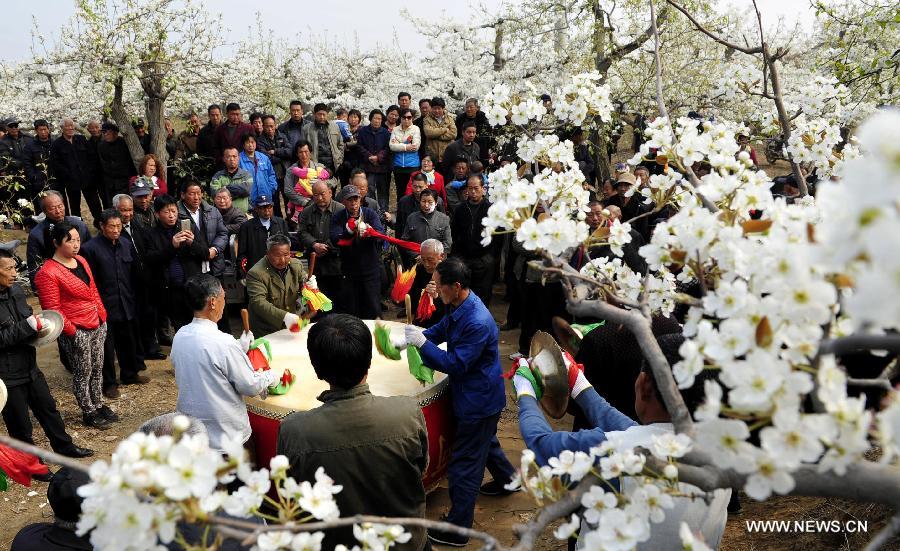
[(573, 464), (596, 501), (307, 541), (566, 529), (273, 541), (22, 202), (767, 477), (651, 498), (279, 464), (726, 439), (188, 474), (181, 423), (670, 471), (617, 530), (712, 404), (670, 445), (689, 542), (793, 439)]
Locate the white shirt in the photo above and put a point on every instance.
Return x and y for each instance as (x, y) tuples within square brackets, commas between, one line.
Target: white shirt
[(212, 373), (195, 216), (709, 520)]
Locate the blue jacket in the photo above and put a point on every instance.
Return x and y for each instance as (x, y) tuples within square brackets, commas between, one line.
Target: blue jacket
[(363, 257), (112, 266), (264, 180), (472, 359), (540, 437)]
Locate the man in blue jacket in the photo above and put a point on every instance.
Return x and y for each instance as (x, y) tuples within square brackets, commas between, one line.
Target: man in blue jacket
[(472, 362), (360, 255)]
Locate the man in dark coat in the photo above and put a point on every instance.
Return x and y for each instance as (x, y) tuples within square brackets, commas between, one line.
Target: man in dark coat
[(314, 235), (110, 258), (467, 225), (24, 382), (252, 236), (206, 138), (464, 148), (232, 132), (70, 166), (174, 255), (138, 236), (360, 256), (36, 159), (12, 148), (473, 114), (293, 128), (116, 163)]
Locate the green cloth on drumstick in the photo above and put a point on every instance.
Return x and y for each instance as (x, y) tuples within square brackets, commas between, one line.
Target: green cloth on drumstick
[(417, 367), (383, 342)]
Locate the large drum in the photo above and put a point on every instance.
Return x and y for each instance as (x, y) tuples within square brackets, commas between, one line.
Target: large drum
[(386, 378)]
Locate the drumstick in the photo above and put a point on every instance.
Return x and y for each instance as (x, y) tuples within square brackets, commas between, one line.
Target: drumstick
[(409, 316), (245, 317), (312, 263)]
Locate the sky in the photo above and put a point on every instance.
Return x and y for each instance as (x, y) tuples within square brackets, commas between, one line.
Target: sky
[(371, 22)]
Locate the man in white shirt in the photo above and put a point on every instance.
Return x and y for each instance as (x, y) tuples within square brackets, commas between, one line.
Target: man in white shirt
[(610, 424), (211, 368)]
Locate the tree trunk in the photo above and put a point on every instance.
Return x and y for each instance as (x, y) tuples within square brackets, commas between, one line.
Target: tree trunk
[(123, 120), (156, 126), (498, 47)]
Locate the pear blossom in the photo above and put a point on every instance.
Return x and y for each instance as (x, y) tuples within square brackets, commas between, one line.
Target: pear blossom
[(567, 529)]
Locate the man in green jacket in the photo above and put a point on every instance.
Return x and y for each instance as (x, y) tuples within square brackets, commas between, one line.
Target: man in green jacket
[(274, 285), (376, 447)]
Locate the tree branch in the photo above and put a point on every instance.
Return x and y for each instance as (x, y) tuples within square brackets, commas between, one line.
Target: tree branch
[(719, 39)]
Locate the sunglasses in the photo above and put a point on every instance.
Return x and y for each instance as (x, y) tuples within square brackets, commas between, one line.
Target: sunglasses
[(408, 117)]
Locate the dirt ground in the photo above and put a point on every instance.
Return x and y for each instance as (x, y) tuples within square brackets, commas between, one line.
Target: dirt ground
[(21, 506)]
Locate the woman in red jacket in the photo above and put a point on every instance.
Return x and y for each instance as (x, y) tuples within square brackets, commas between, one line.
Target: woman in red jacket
[(152, 171), (435, 180), (65, 284)]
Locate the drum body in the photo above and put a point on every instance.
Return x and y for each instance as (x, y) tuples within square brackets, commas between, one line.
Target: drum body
[(386, 378)]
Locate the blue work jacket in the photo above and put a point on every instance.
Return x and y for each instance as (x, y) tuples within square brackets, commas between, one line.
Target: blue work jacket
[(472, 359)]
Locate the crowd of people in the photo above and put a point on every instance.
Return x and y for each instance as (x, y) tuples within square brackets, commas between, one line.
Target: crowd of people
[(169, 252)]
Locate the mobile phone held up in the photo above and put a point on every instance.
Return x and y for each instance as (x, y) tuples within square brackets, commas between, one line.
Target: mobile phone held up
[(185, 225)]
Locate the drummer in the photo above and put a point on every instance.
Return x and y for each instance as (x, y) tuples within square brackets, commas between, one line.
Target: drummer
[(274, 285), (472, 363), (212, 370)]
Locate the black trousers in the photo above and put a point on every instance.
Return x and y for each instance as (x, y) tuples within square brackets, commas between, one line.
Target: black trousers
[(147, 324), (483, 269), (330, 285), (539, 303), (122, 343), (177, 307), (401, 178), (35, 395), (362, 296), (91, 195)]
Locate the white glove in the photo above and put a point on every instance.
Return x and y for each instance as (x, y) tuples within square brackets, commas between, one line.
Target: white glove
[(312, 283), (523, 387), (290, 320), (36, 322), (414, 336), (399, 341), (361, 227), (246, 340), (581, 384)]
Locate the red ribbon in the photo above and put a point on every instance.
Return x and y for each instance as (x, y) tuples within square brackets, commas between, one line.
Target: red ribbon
[(371, 232)]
